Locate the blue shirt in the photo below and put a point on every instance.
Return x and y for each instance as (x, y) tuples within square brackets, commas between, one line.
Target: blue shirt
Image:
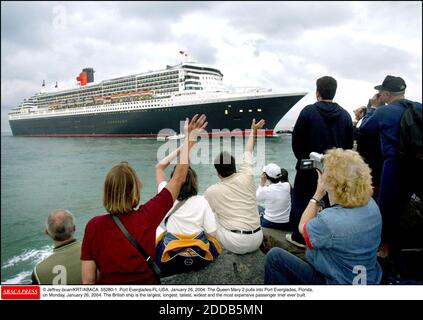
[(345, 242), (386, 121)]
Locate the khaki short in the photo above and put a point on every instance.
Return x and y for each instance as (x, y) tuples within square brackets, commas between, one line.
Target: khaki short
[(239, 243)]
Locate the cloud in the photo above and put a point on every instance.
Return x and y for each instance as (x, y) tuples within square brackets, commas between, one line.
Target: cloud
[(25, 23), (162, 11), (284, 20), (354, 58)]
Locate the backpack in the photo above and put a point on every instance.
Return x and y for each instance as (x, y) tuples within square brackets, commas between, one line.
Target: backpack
[(410, 144), (178, 253)]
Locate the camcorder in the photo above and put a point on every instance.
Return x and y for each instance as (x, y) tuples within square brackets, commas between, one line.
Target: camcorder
[(315, 162)]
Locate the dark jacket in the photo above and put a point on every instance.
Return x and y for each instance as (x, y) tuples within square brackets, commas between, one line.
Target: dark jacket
[(368, 146), (386, 122), (319, 127)]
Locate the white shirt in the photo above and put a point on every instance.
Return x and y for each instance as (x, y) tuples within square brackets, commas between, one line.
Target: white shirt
[(194, 216), (277, 200), (233, 199)]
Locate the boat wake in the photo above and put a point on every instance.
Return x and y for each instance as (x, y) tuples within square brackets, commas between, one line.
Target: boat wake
[(23, 264)]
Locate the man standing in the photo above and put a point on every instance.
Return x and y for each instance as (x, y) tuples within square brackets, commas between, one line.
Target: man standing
[(63, 266), (319, 127), (368, 145), (396, 184)]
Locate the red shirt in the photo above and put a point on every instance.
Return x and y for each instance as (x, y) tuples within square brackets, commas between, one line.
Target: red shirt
[(117, 259)]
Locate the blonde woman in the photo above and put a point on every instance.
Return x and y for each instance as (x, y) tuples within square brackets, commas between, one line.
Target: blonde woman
[(343, 239), (108, 257)]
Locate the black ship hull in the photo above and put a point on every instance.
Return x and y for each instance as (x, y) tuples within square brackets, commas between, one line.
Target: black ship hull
[(230, 115)]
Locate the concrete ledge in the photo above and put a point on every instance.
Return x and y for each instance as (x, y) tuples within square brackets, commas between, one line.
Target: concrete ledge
[(276, 238), (231, 268)]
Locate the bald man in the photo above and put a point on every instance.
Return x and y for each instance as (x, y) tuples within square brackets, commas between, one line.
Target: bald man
[(63, 266)]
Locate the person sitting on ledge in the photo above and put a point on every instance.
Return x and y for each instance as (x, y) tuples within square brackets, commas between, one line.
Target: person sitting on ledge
[(276, 197), (342, 240), (191, 222), (63, 266), (194, 214), (233, 200), (108, 256)]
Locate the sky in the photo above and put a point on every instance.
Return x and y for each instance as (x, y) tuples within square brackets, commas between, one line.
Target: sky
[(284, 46)]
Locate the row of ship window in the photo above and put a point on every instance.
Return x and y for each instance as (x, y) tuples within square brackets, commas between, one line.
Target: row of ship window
[(155, 78), (114, 109), (241, 110), (145, 87), (158, 105), (133, 84), (160, 109), (158, 91), (150, 87), (126, 111), (139, 78)]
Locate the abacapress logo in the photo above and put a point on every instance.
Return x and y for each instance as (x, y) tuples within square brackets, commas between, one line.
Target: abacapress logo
[(20, 292)]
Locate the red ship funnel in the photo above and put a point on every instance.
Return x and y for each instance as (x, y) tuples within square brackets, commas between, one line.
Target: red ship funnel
[(82, 78)]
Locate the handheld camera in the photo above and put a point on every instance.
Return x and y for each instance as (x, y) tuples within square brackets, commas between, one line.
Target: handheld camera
[(315, 162)]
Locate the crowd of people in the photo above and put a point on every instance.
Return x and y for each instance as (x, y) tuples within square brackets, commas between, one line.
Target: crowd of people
[(344, 214)]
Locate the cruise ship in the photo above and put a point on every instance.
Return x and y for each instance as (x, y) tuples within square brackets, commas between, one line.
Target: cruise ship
[(148, 104)]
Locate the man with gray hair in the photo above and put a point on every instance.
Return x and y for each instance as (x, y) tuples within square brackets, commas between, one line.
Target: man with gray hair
[(64, 265), (359, 113), (396, 185)]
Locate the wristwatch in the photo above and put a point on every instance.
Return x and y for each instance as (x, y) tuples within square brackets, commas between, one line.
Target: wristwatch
[(314, 200)]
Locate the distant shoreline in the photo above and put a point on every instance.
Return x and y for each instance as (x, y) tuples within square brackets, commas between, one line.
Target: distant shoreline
[(283, 131)]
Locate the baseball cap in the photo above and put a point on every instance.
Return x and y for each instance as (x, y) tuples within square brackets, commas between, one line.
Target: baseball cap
[(392, 84), (272, 170)]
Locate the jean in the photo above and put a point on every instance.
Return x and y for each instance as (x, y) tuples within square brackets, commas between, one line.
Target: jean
[(304, 187), (282, 267), (394, 196), (261, 210), (272, 225)]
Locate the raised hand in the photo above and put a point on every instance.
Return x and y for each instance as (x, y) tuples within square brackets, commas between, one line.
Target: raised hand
[(192, 127), (256, 126)]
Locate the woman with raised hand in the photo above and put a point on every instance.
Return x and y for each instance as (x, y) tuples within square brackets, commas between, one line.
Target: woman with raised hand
[(187, 243), (108, 256)]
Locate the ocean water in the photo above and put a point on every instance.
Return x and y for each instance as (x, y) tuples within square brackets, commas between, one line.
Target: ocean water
[(39, 175)]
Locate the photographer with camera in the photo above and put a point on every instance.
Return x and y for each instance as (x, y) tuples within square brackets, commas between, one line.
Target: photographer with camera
[(343, 239), (276, 197)]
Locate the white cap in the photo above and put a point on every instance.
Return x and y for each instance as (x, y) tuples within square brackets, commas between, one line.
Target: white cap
[(272, 170)]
